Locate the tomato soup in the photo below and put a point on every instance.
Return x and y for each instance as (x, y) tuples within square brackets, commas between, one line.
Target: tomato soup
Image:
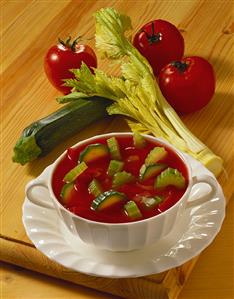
[(119, 179)]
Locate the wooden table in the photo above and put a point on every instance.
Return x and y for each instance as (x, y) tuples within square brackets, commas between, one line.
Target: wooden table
[(28, 29)]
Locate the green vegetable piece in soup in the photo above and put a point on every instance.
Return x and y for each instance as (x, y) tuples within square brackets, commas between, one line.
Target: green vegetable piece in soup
[(94, 152), (66, 192), (138, 140), (121, 178), (151, 202), (107, 199), (156, 154), (170, 177), (113, 146), (95, 187), (149, 171), (132, 210), (75, 172), (114, 167)]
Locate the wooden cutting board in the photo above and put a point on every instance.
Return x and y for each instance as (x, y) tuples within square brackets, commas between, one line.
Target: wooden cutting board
[(28, 29)]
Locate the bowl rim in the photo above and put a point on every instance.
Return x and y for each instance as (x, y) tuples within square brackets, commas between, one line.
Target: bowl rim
[(137, 222)]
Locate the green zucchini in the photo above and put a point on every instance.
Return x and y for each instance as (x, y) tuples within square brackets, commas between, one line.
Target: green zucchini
[(95, 188), (66, 192), (73, 174), (138, 140), (149, 171), (39, 138), (151, 202), (113, 146), (114, 167), (156, 154), (107, 199), (132, 210), (94, 152), (170, 177), (121, 178)]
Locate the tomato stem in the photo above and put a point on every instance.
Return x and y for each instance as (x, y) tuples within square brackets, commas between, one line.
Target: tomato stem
[(154, 37), (181, 66), (68, 40), (74, 43), (69, 44), (61, 42)]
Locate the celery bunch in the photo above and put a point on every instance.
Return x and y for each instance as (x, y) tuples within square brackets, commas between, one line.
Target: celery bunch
[(135, 94)]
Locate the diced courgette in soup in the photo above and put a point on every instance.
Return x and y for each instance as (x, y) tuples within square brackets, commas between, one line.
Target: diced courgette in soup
[(94, 152), (138, 140), (114, 167), (107, 199), (95, 187), (113, 146), (151, 202), (121, 178), (156, 154), (66, 192), (75, 172), (149, 171), (170, 177), (132, 210)]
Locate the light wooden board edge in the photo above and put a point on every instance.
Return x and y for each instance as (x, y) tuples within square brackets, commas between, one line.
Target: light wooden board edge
[(164, 286), (26, 256), (176, 278)]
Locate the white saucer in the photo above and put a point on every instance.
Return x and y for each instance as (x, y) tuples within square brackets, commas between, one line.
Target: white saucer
[(195, 231)]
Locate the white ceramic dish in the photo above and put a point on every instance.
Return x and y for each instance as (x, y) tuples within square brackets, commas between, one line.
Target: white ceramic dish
[(193, 233)]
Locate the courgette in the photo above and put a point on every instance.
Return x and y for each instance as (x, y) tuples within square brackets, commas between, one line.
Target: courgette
[(170, 177), (138, 140), (66, 192), (114, 167), (121, 178), (114, 149), (156, 154), (151, 202), (73, 174), (107, 199), (94, 152), (43, 135), (132, 210), (95, 188), (149, 171)]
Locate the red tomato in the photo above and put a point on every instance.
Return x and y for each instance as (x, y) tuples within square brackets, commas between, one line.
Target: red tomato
[(63, 57), (189, 84), (160, 42)]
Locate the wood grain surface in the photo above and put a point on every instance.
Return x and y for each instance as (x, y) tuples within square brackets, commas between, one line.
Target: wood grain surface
[(28, 28)]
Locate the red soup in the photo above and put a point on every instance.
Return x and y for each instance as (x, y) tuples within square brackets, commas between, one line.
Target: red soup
[(119, 179)]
